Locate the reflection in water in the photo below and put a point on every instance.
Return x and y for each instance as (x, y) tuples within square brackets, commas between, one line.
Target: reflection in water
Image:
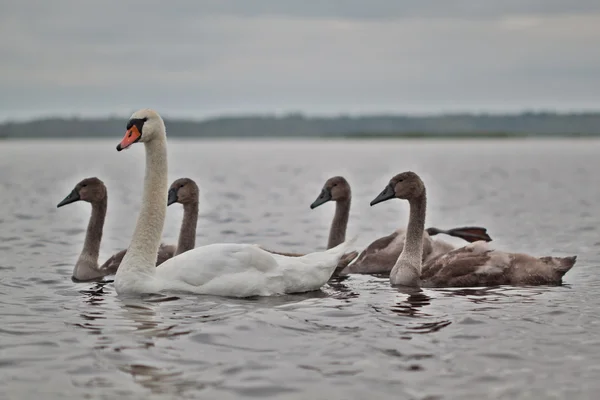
[(95, 294), (162, 380), (143, 315), (137, 316), (344, 341), (140, 311), (94, 297), (342, 291), (497, 294), (412, 307)]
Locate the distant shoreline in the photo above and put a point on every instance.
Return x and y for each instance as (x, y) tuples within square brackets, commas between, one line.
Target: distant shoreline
[(470, 135), (359, 137), (457, 126)]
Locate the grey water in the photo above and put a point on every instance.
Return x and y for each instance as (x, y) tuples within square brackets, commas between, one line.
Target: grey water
[(354, 339)]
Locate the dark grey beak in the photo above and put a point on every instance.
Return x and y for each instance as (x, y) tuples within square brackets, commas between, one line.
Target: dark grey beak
[(71, 198), (324, 197), (388, 193), (172, 196)]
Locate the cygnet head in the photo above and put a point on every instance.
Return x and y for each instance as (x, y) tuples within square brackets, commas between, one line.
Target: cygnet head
[(91, 190), (183, 191), (144, 126), (406, 185), (335, 189)]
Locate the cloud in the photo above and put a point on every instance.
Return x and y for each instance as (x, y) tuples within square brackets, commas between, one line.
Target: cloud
[(209, 57)]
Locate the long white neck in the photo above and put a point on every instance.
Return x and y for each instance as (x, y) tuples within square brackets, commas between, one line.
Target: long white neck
[(407, 270), (142, 252)]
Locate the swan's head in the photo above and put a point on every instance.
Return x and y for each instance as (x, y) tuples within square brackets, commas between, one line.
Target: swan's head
[(335, 189), (144, 126), (183, 191), (406, 185), (91, 190)]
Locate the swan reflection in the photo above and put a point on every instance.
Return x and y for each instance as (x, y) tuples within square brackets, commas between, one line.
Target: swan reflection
[(412, 306)]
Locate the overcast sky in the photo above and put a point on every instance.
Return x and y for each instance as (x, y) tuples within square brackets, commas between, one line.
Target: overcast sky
[(203, 58)]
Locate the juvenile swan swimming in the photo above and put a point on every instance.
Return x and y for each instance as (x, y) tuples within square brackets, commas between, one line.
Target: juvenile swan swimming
[(236, 270), (337, 233), (379, 257), (473, 265), (93, 191)]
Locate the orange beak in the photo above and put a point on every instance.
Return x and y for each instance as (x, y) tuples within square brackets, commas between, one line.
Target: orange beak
[(131, 136)]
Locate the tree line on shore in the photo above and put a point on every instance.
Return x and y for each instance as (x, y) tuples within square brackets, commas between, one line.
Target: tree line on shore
[(298, 125)]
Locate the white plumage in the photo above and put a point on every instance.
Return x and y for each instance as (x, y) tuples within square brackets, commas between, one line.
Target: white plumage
[(235, 270)]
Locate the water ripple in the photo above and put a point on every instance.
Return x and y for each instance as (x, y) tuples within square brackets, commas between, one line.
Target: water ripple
[(358, 337)]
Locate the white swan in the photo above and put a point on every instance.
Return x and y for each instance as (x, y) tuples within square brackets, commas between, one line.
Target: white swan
[(234, 270)]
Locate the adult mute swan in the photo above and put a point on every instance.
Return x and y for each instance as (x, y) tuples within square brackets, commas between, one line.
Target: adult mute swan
[(224, 269), (92, 190), (472, 265), (379, 257)]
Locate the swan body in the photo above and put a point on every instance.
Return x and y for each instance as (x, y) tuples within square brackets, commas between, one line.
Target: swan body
[(473, 265), (477, 264), (236, 270), (379, 257)]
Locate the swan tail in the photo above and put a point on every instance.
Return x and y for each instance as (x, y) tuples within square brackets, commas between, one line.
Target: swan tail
[(342, 255), (345, 260), (564, 264), (330, 258), (343, 248)]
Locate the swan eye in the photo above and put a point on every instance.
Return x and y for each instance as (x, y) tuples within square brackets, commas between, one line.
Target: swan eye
[(84, 185)]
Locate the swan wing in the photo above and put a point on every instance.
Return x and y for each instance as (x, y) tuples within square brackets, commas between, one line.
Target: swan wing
[(112, 264), (378, 257), (243, 270), (472, 265), (199, 265), (313, 270)]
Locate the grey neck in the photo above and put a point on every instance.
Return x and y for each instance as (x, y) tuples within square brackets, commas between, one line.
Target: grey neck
[(337, 232), (407, 270), (86, 267), (187, 233)]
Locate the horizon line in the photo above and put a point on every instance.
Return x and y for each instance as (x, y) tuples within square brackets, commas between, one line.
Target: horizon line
[(307, 115)]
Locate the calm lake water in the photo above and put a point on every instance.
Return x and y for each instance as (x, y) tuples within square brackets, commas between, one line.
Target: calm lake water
[(355, 339)]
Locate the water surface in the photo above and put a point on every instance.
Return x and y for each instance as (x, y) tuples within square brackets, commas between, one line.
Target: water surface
[(355, 339)]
